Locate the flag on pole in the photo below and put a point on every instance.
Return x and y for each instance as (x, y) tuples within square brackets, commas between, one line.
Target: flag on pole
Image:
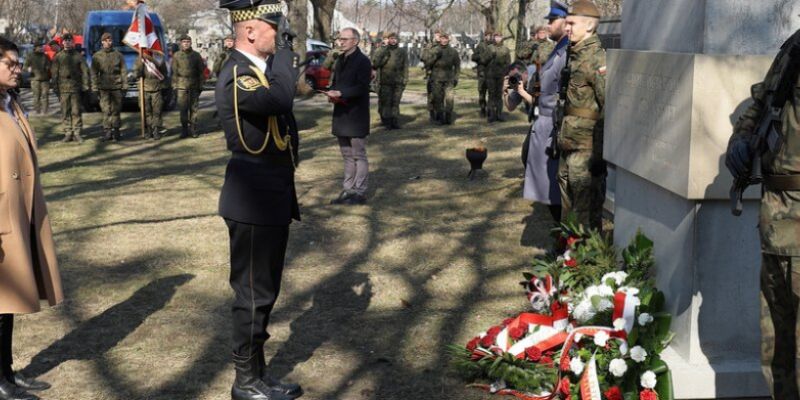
[(142, 33)]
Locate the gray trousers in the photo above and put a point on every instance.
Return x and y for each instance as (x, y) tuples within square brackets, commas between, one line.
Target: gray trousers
[(356, 166)]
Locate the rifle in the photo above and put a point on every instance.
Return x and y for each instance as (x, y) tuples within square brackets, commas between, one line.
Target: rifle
[(767, 136), (558, 113)]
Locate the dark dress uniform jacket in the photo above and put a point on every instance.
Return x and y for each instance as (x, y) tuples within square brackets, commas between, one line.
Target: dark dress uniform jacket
[(351, 76), (258, 189)]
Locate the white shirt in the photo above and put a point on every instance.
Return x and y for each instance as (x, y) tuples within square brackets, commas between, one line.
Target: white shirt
[(261, 64)]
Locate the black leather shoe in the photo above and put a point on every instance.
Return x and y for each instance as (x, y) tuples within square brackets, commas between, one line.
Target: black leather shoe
[(342, 197), (9, 391), (26, 383), (292, 390), (356, 200)]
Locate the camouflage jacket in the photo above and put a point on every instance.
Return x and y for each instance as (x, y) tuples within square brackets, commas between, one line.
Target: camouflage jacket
[(543, 52), (429, 53), (108, 70), (582, 128), (779, 221), (187, 70), (499, 61), (478, 55), (69, 72), (526, 49), (221, 58), (445, 64), (151, 82), (391, 62), (39, 65)]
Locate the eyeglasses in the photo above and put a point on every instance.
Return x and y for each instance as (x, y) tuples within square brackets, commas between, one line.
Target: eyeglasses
[(344, 39), (12, 65)]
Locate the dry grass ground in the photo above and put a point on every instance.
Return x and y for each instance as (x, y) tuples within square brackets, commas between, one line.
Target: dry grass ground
[(371, 294)]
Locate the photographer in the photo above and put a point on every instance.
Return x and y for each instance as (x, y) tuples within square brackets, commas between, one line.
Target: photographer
[(541, 184)]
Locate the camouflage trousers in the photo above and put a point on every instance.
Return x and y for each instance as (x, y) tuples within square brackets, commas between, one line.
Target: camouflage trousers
[(111, 106), (71, 119), (153, 105), (780, 332), (581, 193), (188, 100), (429, 88), (389, 100), (443, 93), (41, 96), (482, 88), (494, 105)]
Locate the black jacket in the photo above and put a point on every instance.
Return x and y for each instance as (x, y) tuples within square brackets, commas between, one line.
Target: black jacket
[(259, 188), (351, 76)]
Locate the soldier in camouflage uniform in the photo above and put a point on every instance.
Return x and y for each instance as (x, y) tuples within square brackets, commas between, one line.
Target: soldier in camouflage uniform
[(445, 68), (480, 69), (70, 76), (154, 85), (538, 49), (429, 53), (227, 48), (779, 221), (497, 60), (581, 169), (109, 79), (38, 65), (187, 76), (391, 65)]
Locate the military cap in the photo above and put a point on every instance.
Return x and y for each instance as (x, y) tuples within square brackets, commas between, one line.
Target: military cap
[(558, 9), (105, 36), (585, 8), (184, 37), (269, 11), (66, 36), (390, 35)]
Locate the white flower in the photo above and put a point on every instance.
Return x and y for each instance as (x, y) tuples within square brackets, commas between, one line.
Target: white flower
[(591, 291), (623, 348), (638, 354), (629, 290), (605, 291), (619, 324), (604, 304), (648, 380), (601, 339), (584, 312), (568, 255), (576, 365), (645, 318), (578, 337), (617, 367)]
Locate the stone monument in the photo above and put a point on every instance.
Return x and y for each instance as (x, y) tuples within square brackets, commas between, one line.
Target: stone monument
[(679, 82)]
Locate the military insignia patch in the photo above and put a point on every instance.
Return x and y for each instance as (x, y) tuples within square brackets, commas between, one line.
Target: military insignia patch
[(248, 83)]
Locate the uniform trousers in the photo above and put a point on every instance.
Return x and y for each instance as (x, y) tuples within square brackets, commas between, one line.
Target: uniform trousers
[(153, 105), (188, 100), (6, 330), (389, 97), (582, 193), (443, 95), (111, 105), (41, 96), (356, 165), (71, 119), (780, 331), (257, 256), (494, 85), (482, 88)]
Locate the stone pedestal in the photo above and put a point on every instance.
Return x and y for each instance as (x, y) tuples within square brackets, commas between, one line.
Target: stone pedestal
[(674, 90)]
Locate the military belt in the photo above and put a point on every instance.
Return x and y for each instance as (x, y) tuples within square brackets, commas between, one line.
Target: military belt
[(583, 113), (780, 183), (272, 160)]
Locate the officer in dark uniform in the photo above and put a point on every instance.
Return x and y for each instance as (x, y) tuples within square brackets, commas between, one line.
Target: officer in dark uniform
[(254, 95)]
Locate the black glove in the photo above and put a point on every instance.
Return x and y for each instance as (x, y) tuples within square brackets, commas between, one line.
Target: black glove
[(286, 36), (455, 83), (739, 158), (598, 167)]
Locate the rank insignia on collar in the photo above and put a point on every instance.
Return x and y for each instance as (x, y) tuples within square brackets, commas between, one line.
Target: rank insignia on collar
[(248, 83)]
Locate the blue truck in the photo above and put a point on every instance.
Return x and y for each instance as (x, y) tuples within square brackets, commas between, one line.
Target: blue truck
[(117, 23)]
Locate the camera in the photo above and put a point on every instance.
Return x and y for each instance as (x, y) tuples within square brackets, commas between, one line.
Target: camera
[(514, 80)]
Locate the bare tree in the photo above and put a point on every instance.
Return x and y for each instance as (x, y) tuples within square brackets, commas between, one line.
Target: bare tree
[(427, 12), (298, 16), (323, 18)]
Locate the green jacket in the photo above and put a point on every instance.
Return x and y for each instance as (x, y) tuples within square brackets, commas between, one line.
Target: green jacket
[(498, 61), (221, 61), (478, 55), (108, 70), (151, 82), (585, 96), (391, 63), (779, 221), (535, 51), (429, 52), (445, 64), (69, 72), (187, 70), (39, 66)]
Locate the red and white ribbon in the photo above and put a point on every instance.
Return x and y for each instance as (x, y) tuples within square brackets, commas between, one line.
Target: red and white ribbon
[(625, 307)]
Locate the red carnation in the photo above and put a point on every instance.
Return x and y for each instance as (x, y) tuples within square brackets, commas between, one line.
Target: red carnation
[(516, 333), (494, 331), (572, 263), (507, 321), (564, 364), (563, 386), (546, 361), (533, 353), (648, 394), (613, 393), (472, 344), (487, 341)]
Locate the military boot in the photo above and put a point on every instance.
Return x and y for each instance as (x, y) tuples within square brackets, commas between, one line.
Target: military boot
[(248, 384), (155, 135), (184, 132), (432, 116), (10, 391), (291, 390), (448, 118), (106, 135), (67, 137), (78, 137), (193, 130), (483, 112), (394, 124), (116, 135)]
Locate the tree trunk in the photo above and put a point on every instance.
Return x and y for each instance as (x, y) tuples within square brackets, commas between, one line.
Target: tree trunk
[(323, 19), (521, 34), (298, 18)]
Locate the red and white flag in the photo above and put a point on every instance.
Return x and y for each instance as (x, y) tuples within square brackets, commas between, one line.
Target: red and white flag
[(142, 33)]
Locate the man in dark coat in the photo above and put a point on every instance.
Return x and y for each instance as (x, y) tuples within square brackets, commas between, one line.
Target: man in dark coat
[(350, 95), (255, 95)]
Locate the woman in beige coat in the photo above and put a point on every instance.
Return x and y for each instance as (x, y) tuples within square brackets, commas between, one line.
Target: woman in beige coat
[(28, 266)]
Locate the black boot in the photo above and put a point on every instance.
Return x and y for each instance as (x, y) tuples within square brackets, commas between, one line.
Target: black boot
[(248, 384), (8, 390), (155, 135), (448, 118), (394, 124), (184, 132), (115, 135), (106, 135), (289, 389), (483, 112), (432, 116)]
